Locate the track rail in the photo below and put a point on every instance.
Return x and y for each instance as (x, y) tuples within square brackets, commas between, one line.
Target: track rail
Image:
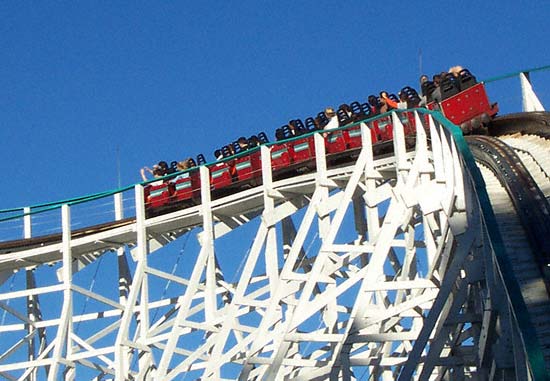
[(522, 214), (535, 123), (529, 201), (29, 243)]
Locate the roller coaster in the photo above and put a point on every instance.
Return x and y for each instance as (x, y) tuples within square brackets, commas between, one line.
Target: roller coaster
[(392, 248)]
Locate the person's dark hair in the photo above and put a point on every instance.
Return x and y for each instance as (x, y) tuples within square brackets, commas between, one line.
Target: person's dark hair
[(172, 168), (373, 101), (163, 164), (318, 122), (157, 171), (345, 107), (254, 141), (279, 134)]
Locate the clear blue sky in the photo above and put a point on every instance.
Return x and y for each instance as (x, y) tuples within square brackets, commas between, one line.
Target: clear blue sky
[(83, 81)]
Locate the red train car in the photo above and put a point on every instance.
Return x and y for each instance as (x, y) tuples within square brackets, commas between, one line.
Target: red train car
[(302, 150), (186, 186), (353, 138), (158, 195), (470, 109), (335, 142), (221, 175), (280, 156), (249, 166)]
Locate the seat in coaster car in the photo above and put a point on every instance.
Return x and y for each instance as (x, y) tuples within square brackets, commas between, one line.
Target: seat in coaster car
[(428, 88), (466, 79), (412, 97), (449, 87), (310, 124), (343, 117)]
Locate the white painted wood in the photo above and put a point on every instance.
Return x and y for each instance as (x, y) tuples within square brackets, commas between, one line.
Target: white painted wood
[(63, 347), (369, 269), (530, 101)]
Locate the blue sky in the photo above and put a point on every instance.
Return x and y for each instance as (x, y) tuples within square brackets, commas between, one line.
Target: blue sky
[(84, 83)]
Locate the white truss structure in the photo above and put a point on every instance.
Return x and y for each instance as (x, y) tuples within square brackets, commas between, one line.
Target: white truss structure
[(529, 99), (379, 270)]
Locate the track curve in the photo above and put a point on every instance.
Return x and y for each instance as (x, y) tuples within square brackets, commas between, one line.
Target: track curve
[(516, 169)]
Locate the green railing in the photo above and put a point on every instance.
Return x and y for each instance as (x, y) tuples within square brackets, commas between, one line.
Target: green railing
[(515, 74)]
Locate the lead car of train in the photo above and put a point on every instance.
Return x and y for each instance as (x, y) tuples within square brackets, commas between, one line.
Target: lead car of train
[(463, 101)]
